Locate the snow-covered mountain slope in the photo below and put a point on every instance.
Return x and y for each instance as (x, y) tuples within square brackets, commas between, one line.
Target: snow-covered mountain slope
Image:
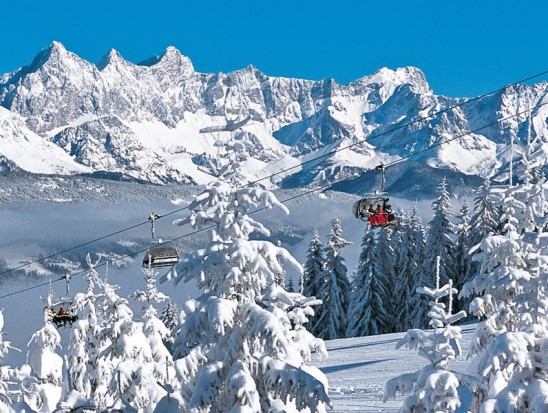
[(24, 149), (160, 120)]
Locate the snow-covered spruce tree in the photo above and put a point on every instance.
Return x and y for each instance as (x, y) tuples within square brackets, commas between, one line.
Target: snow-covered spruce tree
[(387, 264), (130, 372), (485, 220), (110, 360), (439, 243), (511, 341), (290, 285), (410, 270), (313, 268), (486, 217), (400, 259), (462, 256), (335, 288), (170, 318), (42, 375), (438, 237), (435, 387), (367, 314), (160, 370), (237, 349), (85, 368), (6, 373), (533, 195), (503, 265)]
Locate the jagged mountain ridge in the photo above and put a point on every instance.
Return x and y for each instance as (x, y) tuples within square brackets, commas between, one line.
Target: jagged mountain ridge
[(158, 121)]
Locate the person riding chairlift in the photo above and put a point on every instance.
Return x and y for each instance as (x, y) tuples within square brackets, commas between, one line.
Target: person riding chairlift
[(372, 215), (382, 218), (388, 211)]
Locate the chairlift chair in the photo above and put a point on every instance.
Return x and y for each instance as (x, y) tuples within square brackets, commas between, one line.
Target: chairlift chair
[(164, 254), (158, 257), (61, 309), (361, 208)]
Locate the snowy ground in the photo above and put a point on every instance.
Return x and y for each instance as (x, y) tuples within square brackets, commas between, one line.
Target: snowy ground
[(358, 368)]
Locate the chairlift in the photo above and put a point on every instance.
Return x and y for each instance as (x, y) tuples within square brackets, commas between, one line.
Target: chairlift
[(61, 309), (164, 254), (374, 208)]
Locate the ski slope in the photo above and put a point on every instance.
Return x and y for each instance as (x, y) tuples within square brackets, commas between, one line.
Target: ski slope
[(358, 368)]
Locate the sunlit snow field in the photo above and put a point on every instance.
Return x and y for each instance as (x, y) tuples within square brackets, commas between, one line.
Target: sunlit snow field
[(356, 368)]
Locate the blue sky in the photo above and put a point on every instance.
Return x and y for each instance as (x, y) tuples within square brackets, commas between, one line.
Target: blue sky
[(465, 48)]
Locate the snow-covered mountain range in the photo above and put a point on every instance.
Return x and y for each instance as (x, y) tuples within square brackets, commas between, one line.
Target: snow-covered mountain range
[(161, 121)]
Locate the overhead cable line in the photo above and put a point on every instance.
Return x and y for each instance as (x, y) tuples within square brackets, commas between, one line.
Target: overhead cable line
[(312, 190), (326, 155)]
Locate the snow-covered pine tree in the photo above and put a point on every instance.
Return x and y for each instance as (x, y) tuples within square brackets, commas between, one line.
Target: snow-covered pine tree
[(462, 256), (497, 282), (85, 368), (6, 372), (513, 367), (290, 285), (367, 314), (484, 221), (439, 242), (335, 289), (533, 195), (313, 268), (237, 349), (170, 318), (418, 306), (386, 260), (410, 264), (110, 360), (486, 217), (43, 372), (400, 257), (435, 387), (130, 371), (161, 371)]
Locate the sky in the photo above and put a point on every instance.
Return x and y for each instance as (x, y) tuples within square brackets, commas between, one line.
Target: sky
[(465, 48)]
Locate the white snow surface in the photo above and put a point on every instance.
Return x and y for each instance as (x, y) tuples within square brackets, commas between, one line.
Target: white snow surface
[(31, 152), (357, 370)]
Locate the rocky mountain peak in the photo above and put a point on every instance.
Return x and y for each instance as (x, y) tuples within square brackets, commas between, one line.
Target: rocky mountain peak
[(54, 53), (390, 78), (113, 57), (173, 60)]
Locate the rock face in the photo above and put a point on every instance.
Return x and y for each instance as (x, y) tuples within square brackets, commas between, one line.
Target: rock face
[(160, 120)]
